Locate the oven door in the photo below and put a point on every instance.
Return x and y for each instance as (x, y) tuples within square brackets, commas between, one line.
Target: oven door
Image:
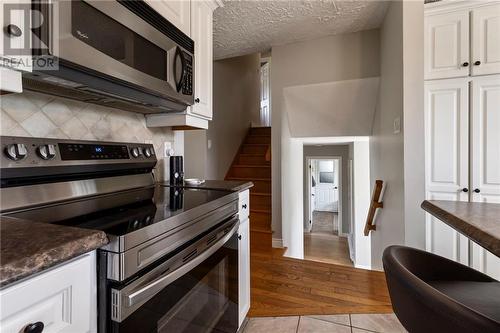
[(108, 38), (194, 291)]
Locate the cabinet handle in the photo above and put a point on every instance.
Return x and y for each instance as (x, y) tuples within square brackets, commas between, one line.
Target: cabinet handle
[(34, 327), (477, 190), (465, 64), (244, 206), (197, 100), (239, 237), (465, 189), (477, 63), (13, 30)]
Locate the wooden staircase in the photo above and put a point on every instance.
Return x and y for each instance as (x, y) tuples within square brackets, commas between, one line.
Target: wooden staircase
[(253, 163)]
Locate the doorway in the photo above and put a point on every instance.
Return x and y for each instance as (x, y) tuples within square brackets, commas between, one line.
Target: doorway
[(265, 92), (324, 239)]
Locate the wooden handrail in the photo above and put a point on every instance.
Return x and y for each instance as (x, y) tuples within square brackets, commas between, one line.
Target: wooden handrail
[(268, 153), (375, 203)]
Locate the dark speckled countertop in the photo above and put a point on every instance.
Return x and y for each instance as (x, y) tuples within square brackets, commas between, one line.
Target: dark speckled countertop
[(223, 185), (478, 221), (28, 247)]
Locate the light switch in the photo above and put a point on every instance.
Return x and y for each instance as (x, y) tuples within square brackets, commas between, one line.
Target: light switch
[(397, 125), (209, 144)]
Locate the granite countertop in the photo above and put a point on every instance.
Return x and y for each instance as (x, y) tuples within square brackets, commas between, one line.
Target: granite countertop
[(224, 185), (28, 247), (476, 220)]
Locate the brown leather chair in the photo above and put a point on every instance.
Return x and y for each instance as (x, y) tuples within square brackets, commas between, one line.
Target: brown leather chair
[(430, 293)]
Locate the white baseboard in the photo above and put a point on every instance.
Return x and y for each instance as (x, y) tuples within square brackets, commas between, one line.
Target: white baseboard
[(363, 267), (278, 242)]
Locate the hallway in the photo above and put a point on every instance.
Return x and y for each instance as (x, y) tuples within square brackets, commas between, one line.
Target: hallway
[(323, 243)]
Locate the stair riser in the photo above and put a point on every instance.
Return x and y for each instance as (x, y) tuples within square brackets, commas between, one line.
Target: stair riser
[(261, 186), (250, 149), (260, 202), (260, 130), (253, 160), (260, 220), (260, 241), (251, 172), (258, 139)]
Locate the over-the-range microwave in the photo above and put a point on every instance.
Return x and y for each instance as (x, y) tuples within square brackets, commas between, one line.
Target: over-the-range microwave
[(116, 53)]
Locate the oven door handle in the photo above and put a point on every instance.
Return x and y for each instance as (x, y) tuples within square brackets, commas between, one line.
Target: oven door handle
[(152, 288)]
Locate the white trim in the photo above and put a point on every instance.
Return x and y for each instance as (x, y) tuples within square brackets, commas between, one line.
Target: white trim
[(278, 243), (340, 189), (369, 268), (452, 5)]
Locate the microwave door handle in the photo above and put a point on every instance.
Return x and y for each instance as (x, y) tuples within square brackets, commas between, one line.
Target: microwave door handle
[(179, 55), (151, 289)]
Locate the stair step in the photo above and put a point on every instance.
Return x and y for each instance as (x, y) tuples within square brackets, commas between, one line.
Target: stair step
[(260, 130), (258, 139), (261, 241), (254, 148), (263, 231), (260, 203), (260, 220), (250, 171), (260, 210), (253, 159), (260, 193)]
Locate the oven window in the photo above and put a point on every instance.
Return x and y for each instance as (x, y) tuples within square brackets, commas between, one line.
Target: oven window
[(203, 300), (101, 32)]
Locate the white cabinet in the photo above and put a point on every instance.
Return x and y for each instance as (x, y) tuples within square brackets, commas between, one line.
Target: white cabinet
[(485, 261), (63, 299), (447, 149), (454, 28), (10, 80), (177, 12), (244, 257), (446, 45), (485, 48)]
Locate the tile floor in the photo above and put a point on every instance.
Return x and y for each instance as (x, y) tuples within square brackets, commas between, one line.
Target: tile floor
[(348, 323)]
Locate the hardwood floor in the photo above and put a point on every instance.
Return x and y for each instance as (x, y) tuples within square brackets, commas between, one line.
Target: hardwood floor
[(288, 287), (323, 243)]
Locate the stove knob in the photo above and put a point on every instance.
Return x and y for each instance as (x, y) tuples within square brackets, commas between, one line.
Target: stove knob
[(47, 152), (135, 152), (16, 151), (147, 152)]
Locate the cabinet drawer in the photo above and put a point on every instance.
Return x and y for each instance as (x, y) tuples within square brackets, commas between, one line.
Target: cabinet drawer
[(244, 205), (63, 299)]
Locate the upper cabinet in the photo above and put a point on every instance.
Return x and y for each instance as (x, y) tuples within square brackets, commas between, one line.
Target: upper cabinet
[(178, 12), (462, 42), (485, 48)]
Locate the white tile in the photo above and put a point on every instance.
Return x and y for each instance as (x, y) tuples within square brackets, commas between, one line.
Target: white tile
[(74, 128), (89, 136), (338, 319), (58, 112), (6, 122), (18, 107), (359, 330), (311, 325), (17, 131), (381, 323), (38, 99), (272, 325), (89, 116), (38, 125), (57, 134), (101, 130)]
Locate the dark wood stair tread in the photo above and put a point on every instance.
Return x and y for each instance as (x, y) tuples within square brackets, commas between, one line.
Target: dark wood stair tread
[(249, 179)]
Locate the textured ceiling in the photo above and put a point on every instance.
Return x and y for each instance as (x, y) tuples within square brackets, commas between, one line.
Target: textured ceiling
[(243, 27)]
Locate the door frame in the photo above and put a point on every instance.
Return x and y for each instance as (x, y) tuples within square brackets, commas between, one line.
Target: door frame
[(308, 190)]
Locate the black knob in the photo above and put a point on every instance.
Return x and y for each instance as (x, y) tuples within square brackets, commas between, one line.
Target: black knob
[(465, 64), (477, 63), (465, 189), (34, 328), (13, 30), (239, 237), (244, 206), (477, 190), (197, 100)]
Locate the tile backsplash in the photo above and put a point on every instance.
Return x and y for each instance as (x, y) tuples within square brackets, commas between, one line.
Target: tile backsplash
[(39, 115)]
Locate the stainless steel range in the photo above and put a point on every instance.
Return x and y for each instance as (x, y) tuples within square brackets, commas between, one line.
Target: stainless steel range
[(171, 264)]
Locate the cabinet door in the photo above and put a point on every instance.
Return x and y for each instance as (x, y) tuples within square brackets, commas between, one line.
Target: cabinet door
[(446, 160), (485, 261), (485, 23), (485, 139), (201, 28), (177, 12), (446, 45), (244, 270), (63, 298)]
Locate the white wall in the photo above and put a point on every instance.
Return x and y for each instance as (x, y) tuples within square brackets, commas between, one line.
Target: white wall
[(386, 147), (329, 59), (236, 90)]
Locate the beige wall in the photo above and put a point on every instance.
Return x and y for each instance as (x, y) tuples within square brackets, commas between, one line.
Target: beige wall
[(330, 150), (236, 89), (386, 147), (39, 115), (334, 58)]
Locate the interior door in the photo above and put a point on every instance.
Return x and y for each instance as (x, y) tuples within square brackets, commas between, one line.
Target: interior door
[(447, 45), (446, 160), (485, 58), (325, 186), (265, 117)]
